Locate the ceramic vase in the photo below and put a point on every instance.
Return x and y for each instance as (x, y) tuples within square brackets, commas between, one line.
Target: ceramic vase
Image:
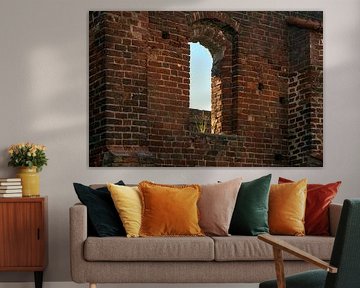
[(30, 181)]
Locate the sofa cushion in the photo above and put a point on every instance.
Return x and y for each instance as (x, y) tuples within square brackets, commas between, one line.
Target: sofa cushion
[(318, 199), (127, 201), (149, 249), (250, 215), (245, 248), (102, 215), (216, 206), (169, 210), (287, 204)]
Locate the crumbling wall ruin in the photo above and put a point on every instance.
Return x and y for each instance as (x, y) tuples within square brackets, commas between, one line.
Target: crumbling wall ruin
[(266, 105)]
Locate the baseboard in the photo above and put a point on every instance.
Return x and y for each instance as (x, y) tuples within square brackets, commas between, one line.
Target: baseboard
[(74, 285)]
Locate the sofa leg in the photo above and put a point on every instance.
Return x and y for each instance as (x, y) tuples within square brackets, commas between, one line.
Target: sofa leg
[(92, 285)]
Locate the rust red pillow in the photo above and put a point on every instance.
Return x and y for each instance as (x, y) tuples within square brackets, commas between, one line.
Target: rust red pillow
[(319, 197)]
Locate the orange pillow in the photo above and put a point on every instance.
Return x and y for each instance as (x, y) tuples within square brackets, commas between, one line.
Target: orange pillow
[(318, 199), (287, 204), (169, 210)]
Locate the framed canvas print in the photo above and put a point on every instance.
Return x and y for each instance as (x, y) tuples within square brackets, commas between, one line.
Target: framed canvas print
[(206, 88)]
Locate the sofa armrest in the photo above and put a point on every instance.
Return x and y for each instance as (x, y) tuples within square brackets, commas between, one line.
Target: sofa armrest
[(78, 235), (334, 216)]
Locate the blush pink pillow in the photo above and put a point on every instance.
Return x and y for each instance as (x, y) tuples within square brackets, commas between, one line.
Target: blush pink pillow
[(216, 206)]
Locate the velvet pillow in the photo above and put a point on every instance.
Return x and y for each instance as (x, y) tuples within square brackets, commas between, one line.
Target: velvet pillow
[(318, 200), (169, 210), (127, 201), (250, 215), (216, 206), (287, 208), (102, 214)]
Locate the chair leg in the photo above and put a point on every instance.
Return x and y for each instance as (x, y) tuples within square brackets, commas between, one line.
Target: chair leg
[(279, 267), (92, 285)]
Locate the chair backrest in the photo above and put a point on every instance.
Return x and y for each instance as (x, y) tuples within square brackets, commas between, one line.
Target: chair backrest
[(346, 251)]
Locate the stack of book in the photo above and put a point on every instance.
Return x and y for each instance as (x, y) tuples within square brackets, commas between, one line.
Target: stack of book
[(10, 187)]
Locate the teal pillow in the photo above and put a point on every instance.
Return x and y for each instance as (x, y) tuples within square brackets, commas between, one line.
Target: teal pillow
[(250, 216)]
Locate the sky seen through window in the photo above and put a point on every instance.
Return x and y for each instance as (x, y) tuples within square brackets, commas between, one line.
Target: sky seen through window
[(200, 77)]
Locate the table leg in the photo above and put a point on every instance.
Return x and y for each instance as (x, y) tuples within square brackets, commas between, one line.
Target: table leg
[(38, 279)]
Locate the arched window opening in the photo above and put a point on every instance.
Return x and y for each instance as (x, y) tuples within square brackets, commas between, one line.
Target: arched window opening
[(201, 63)]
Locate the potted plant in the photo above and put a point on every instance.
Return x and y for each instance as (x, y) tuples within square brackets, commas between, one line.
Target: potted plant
[(30, 159)]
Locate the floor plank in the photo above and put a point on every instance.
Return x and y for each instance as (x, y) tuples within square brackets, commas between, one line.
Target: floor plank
[(74, 285)]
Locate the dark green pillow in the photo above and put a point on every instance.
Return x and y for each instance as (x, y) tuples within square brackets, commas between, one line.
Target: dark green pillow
[(103, 218), (250, 216)]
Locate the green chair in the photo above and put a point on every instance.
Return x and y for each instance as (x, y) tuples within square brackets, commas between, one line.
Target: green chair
[(344, 268)]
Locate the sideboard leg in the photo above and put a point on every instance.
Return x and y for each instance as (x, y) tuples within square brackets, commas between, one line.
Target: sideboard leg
[(38, 279), (92, 285)]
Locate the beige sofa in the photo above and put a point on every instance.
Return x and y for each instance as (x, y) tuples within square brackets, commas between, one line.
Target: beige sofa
[(239, 259)]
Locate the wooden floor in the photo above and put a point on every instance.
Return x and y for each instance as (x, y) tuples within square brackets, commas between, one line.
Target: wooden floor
[(175, 286), (74, 285)]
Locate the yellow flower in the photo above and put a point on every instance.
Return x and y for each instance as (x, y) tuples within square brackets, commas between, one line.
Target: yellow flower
[(22, 153), (40, 147)]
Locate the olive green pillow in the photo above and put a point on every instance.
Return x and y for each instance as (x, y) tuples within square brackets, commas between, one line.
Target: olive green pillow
[(250, 216)]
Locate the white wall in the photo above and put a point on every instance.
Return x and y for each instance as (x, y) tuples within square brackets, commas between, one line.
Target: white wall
[(44, 98)]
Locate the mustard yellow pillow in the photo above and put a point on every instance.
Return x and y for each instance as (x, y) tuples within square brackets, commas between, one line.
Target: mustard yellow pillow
[(287, 204), (169, 210), (127, 201)]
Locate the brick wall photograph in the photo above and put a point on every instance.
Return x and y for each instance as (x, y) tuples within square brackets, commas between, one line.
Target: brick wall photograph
[(266, 89)]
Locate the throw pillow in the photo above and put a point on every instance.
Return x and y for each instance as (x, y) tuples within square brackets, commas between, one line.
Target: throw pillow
[(216, 206), (127, 201), (250, 215), (102, 214), (318, 200), (169, 210), (287, 208)]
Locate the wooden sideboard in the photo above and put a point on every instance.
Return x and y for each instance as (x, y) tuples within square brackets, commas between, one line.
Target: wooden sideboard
[(23, 235)]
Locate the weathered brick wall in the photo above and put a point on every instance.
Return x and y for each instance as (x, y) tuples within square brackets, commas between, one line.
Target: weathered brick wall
[(168, 86), (139, 95), (316, 110), (305, 98), (299, 105), (97, 97), (262, 78), (123, 118)]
